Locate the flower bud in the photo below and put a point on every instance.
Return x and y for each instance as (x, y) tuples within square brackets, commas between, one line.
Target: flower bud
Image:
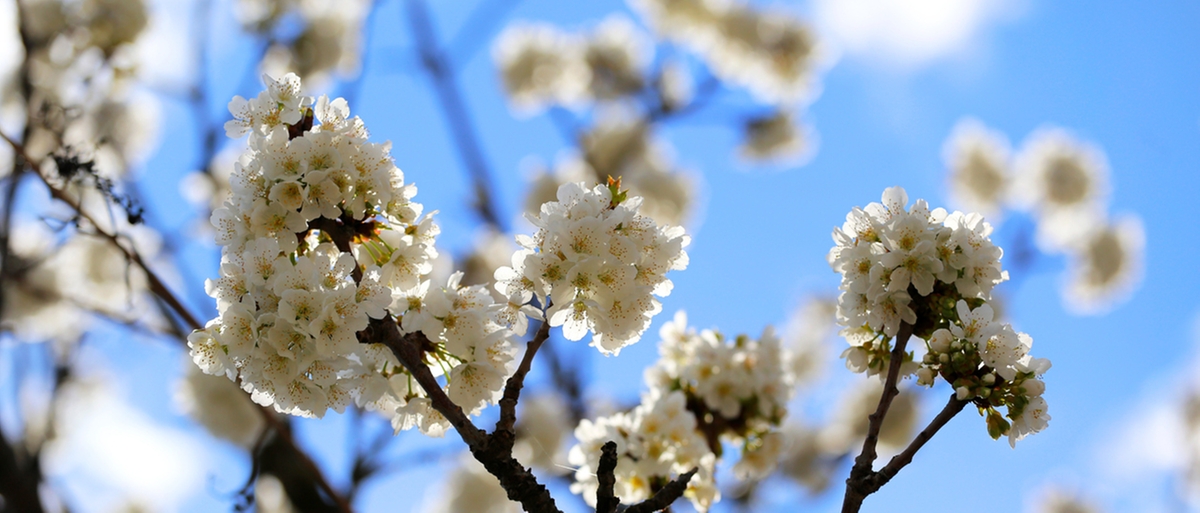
[(1033, 387), (962, 393)]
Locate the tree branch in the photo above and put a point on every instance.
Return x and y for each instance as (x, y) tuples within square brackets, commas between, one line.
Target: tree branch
[(901, 460), (606, 501), (454, 107), (663, 498), (494, 452), (512, 388), (862, 472)]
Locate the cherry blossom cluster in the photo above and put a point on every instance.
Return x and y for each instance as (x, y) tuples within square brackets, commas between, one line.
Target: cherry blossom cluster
[(597, 262), (770, 53), (738, 388), (898, 263), (320, 236), (1062, 182), (989, 363), (656, 442), (541, 65), (704, 390), (935, 272)]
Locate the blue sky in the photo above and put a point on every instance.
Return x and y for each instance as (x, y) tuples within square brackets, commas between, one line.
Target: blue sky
[(1123, 75)]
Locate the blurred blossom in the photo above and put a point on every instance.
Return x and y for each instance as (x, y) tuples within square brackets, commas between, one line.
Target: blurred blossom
[(541, 65), (492, 251), (978, 160), (543, 428), (675, 85), (620, 146), (1106, 266), (806, 461), (774, 137), (770, 53), (328, 44), (470, 488), (1056, 500), (617, 53), (126, 126), (849, 424), (107, 24), (104, 444), (33, 298), (42, 20), (688, 21), (806, 335), (1064, 182), (260, 15), (219, 405), (270, 496)]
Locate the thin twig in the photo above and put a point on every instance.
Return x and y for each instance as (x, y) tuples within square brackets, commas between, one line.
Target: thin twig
[(512, 388), (899, 461), (860, 474), (668, 494)]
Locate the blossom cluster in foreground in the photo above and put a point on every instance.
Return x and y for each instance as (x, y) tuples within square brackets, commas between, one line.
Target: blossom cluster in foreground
[(934, 272), (319, 237), (597, 262), (704, 390)]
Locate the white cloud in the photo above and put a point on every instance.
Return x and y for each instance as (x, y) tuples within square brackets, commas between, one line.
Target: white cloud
[(907, 33)]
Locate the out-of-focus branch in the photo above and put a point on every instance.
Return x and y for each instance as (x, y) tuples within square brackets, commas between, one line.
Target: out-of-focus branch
[(476, 30), (437, 64), (857, 485), (19, 479), (160, 290)]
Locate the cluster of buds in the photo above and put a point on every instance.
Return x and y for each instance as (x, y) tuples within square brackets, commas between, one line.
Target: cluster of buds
[(988, 363)]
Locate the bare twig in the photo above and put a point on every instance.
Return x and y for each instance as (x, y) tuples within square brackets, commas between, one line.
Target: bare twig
[(899, 461), (862, 472), (512, 388), (663, 498), (494, 454)]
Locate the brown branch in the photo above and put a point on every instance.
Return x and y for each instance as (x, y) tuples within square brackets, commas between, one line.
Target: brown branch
[(512, 388), (899, 461), (606, 500), (862, 472), (663, 498), (494, 451)]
